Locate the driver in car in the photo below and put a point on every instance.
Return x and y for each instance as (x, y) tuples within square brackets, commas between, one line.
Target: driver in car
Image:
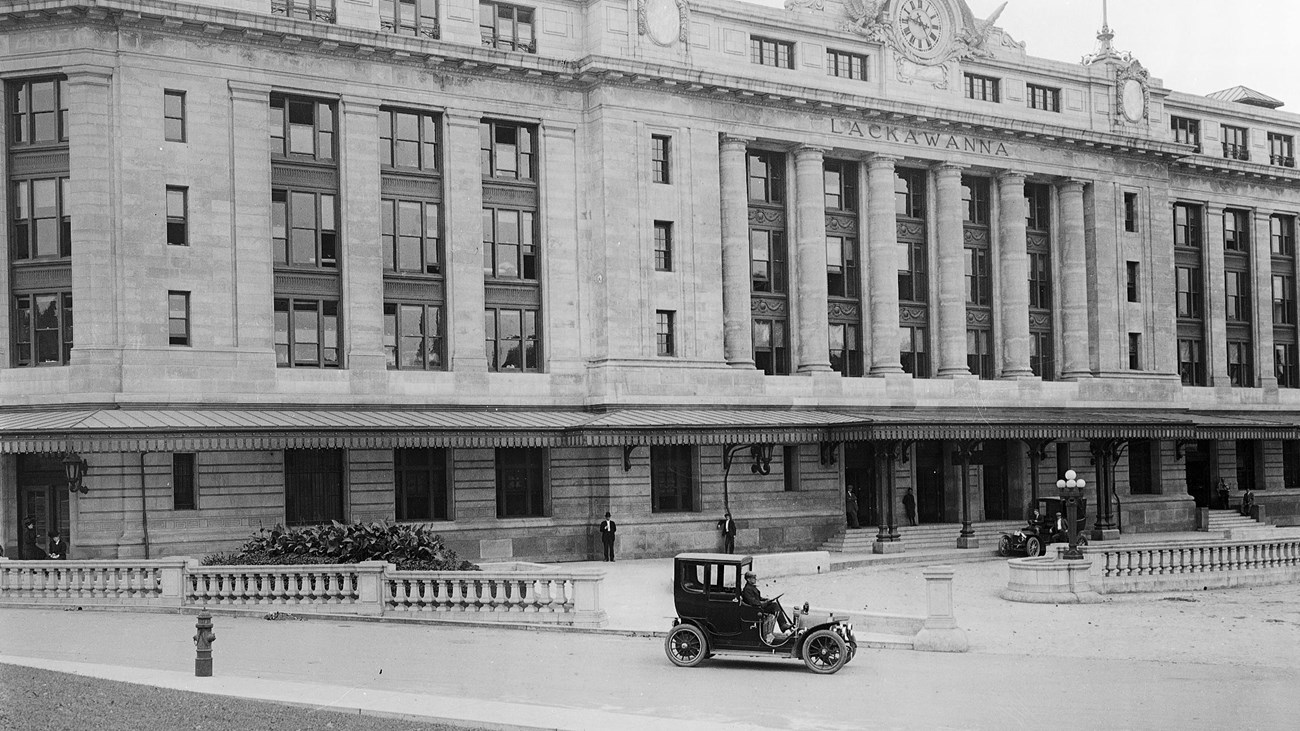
[(751, 596)]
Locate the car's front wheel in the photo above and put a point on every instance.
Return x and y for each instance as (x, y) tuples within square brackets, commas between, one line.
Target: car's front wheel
[(1004, 546), (686, 646), (825, 652), (1033, 547)]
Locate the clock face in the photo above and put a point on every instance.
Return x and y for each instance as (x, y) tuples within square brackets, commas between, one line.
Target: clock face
[(922, 27)]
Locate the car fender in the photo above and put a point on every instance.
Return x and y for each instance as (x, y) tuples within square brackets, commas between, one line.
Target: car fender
[(847, 634)]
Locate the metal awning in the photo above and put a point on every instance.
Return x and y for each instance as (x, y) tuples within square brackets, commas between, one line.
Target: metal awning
[(232, 429)]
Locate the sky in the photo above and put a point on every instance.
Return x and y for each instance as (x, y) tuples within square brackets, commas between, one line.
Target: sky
[(1193, 46)]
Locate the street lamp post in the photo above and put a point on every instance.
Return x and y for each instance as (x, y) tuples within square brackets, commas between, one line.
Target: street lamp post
[(1071, 490)]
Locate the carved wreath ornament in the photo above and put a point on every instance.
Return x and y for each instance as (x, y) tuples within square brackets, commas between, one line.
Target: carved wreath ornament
[(664, 22)]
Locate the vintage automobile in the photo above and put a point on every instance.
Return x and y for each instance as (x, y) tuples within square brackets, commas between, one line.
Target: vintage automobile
[(1033, 539), (712, 620)]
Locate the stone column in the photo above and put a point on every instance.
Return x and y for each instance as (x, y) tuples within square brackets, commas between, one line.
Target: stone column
[(96, 269), (362, 260), (952, 273), (1073, 284), (1013, 268), (250, 194), (810, 208), (882, 263), (1261, 265), (464, 244), (738, 334), (1215, 309)]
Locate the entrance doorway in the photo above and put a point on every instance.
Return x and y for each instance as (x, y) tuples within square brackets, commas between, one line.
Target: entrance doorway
[(42, 497), (929, 482), (1199, 466), (860, 474), (997, 498)]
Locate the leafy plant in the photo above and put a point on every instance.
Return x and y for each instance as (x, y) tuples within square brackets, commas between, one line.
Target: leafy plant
[(410, 546)]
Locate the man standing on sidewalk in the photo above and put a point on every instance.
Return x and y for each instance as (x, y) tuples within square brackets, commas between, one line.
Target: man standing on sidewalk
[(728, 528), (607, 530)]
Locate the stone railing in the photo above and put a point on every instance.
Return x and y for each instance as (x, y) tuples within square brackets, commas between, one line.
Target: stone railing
[(530, 594), (1193, 564)]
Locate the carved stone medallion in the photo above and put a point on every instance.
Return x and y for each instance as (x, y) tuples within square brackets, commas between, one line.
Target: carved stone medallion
[(664, 22)]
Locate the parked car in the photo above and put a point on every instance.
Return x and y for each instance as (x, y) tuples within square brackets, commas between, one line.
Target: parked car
[(712, 620), (1033, 539)]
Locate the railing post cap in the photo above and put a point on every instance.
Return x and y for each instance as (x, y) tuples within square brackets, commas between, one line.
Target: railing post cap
[(938, 572)]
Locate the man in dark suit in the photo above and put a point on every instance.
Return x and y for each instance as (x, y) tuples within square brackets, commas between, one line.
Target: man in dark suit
[(30, 548), (750, 595), (607, 530), (728, 528)]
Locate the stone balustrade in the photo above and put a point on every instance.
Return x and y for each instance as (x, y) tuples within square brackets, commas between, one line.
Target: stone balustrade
[(534, 594)]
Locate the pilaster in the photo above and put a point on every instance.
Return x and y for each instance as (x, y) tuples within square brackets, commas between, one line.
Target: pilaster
[(952, 272), (738, 335), (1073, 284), (250, 227), (363, 264), (1216, 340), (561, 322), (464, 243), (813, 335), (882, 266), (1261, 265), (1013, 267)]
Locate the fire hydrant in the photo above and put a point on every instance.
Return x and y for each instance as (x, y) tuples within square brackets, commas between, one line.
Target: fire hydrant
[(203, 643)]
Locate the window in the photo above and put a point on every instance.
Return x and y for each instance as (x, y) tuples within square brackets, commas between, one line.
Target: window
[(507, 150), (982, 88), (1140, 467), (413, 336), (975, 196), (1041, 359), (909, 193), (913, 351), (672, 479), (1134, 281), (1282, 235), (307, 333), (506, 27), (1241, 372), (1040, 281), (1038, 199), (770, 349), (912, 282), (321, 11), (768, 266), (174, 115), (521, 482), (1062, 459), (302, 128), (409, 140), (178, 216), (1236, 230), (842, 266), (1044, 98), (1135, 351), (665, 334), (42, 329), (409, 17), (846, 65), (420, 484), (790, 467), (768, 52), (1291, 464), (766, 177), (38, 112), (979, 353), (183, 487), (1284, 310), (1191, 362), (1237, 296), (979, 277), (42, 223), (509, 245), (1186, 131), (178, 318), (1187, 225), (1235, 143), (313, 486), (1286, 365), (512, 340), (660, 170), (1189, 292), (409, 232), (1131, 212), (840, 181), (1281, 150), (663, 246), (303, 231), (845, 352)]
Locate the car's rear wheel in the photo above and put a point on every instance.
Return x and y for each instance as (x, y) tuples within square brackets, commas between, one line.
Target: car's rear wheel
[(1033, 546), (1082, 540), (1004, 546), (686, 646), (825, 652)]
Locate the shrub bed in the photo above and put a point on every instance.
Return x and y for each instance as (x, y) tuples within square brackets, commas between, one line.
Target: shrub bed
[(411, 547)]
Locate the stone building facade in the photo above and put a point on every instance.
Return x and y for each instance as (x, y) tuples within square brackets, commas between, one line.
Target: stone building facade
[(502, 267)]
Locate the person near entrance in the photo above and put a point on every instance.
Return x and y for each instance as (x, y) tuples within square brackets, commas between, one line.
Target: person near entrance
[(750, 595), (909, 506), (1059, 530), (1223, 494), (851, 506), (58, 547), (728, 528), (607, 530), (1247, 502), (30, 549)]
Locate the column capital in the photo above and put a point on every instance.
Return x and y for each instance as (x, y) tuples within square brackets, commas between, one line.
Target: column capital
[(733, 141), (353, 104), (804, 152), (948, 169), (89, 73), (241, 91), (1011, 177), (879, 160), (462, 118), (1072, 184)]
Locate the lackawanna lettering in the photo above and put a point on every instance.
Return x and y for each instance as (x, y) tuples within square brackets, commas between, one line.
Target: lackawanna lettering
[(921, 138)]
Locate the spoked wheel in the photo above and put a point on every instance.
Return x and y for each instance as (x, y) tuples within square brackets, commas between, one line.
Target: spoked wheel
[(686, 646), (1033, 547), (1004, 546), (825, 652), (1082, 540)]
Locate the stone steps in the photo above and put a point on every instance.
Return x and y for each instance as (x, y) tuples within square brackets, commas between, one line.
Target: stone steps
[(921, 537)]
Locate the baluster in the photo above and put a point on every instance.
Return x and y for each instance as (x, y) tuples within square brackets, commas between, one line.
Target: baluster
[(430, 595), (457, 596), (499, 601)]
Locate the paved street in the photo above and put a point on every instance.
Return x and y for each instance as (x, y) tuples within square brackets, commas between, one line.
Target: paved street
[(1222, 659)]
